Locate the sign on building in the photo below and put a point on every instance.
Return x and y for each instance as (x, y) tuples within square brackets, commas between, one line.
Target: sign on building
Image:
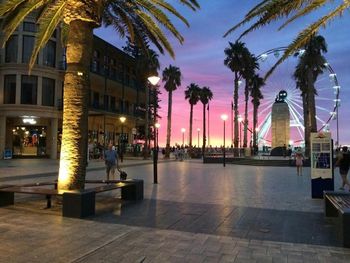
[(321, 157)]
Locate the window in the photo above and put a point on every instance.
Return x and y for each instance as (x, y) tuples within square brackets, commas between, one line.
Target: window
[(28, 45), (113, 103), (10, 89), (95, 100), (29, 27), (11, 49), (29, 89), (48, 92), (105, 102), (49, 54)]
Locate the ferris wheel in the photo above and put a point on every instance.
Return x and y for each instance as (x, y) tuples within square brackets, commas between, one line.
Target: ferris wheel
[(327, 98)]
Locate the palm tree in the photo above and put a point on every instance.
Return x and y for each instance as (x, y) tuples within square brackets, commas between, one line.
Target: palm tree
[(270, 10), (192, 95), (139, 19), (255, 93), (248, 74), (236, 55), (205, 96), (172, 79), (311, 64)]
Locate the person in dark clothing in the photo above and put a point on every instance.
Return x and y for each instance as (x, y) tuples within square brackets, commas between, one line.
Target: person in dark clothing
[(343, 161)]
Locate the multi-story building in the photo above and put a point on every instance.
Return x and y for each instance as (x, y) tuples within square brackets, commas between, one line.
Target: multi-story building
[(31, 104)]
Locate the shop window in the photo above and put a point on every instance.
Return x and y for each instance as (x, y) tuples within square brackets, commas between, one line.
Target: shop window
[(29, 140), (49, 54), (11, 50), (29, 89), (10, 89), (28, 45), (48, 92)]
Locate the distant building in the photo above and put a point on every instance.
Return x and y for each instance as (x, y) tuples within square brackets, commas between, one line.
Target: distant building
[(31, 105)]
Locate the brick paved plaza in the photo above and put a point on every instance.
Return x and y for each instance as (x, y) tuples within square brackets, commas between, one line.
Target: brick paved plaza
[(197, 213)]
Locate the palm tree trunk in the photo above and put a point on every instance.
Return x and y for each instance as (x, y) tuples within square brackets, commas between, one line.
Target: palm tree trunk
[(145, 150), (204, 131), (306, 123), (235, 108), (168, 132), (255, 121), (75, 107), (246, 94), (191, 120)]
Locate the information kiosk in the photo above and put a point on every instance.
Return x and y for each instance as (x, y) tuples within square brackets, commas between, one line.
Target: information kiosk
[(321, 156)]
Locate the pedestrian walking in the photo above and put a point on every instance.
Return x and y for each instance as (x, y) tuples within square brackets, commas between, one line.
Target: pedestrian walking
[(111, 161), (299, 159), (343, 161)]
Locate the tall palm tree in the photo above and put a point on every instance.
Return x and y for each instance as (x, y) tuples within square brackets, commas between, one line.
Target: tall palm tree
[(138, 19), (248, 74), (267, 11), (236, 59), (172, 79), (192, 95), (255, 93), (205, 96), (311, 64)]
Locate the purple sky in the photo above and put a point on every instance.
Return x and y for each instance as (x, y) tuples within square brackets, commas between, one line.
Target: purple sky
[(201, 57)]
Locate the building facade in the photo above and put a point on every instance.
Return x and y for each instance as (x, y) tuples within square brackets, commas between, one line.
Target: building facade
[(31, 104)]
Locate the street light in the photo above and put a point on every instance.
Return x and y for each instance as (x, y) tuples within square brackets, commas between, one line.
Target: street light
[(224, 118), (240, 119), (154, 81), (198, 130), (121, 138), (183, 136)]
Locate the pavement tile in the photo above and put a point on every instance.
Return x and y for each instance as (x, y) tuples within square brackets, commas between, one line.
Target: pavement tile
[(197, 213)]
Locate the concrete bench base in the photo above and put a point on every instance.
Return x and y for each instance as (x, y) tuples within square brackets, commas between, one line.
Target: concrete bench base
[(337, 206), (76, 204)]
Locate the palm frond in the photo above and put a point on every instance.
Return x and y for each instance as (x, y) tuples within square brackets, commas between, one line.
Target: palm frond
[(171, 9), (14, 18), (193, 4), (160, 17), (48, 22), (305, 35), (268, 11), (9, 6), (156, 31), (314, 5)]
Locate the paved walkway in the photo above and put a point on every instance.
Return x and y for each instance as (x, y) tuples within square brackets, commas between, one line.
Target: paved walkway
[(197, 213)]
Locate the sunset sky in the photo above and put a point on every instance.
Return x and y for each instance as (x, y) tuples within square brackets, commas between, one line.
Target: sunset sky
[(201, 58)]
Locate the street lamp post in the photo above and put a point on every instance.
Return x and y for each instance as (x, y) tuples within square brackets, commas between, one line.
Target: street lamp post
[(154, 81), (240, 119), (183, 136), (121, 138), (224, 118), (198, 130)]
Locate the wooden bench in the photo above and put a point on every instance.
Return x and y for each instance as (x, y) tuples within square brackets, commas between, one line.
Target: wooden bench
[(337, 205), (77, 203)]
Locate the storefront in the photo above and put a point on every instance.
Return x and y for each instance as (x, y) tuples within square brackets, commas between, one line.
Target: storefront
[(29, 141)]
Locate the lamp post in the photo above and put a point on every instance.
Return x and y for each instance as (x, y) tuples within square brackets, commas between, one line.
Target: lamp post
[(121, 138), (198, 130), (154, 81), (240, 119), (224, 118), (183, 136)]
